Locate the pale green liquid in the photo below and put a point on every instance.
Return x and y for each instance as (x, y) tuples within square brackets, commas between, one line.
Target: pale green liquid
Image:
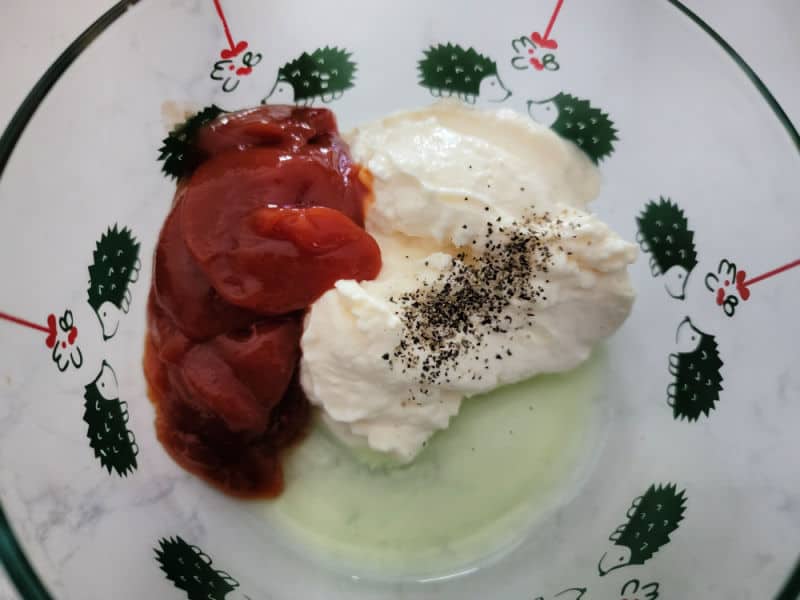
[(474, 491)]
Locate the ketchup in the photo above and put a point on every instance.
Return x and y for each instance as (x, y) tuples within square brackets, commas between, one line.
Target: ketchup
[(270, 218)]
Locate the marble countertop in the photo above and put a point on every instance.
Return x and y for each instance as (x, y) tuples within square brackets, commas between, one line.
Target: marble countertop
[(33, 32)]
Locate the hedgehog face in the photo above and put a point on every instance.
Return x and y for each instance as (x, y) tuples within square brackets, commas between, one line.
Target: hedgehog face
[(109, 315), (688, 337), (616, 558), (281, 93), (106, 383), (544, 112), (493, 90), (675, 280)]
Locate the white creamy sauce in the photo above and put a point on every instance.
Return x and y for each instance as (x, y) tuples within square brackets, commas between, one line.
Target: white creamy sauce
[(493, 272)]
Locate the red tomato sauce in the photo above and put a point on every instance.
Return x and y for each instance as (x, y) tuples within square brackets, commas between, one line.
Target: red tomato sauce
[(270, 218)]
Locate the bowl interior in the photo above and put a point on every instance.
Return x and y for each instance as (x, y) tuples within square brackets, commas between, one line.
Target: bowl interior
[(706, 472)]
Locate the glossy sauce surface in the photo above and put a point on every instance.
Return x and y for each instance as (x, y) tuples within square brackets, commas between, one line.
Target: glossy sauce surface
[(269, 219)]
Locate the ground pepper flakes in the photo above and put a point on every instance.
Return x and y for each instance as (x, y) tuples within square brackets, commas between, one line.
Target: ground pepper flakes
[(446, 322)]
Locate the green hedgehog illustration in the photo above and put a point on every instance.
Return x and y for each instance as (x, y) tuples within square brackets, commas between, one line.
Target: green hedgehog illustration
[(114, 268), (190, 570), (578, 121), (325, 74), (176, 148), (107, 417), (664, 233), (448, 69), (651, 518), (696, 368)]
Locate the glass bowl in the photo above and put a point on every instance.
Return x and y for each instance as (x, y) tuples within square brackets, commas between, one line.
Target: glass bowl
[(687, 489)]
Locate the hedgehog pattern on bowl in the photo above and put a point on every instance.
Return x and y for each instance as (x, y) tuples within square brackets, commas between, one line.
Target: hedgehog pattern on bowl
[(106, 416), (191, 570), (176, 149), (577, 120), (652, 517), (114, 268), (664, 234), (325, 74), (450, 70), (696, 368)]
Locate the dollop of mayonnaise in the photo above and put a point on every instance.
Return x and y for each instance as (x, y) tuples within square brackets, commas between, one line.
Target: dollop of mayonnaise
[(493, 272)]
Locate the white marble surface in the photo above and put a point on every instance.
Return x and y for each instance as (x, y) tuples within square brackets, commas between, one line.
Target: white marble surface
[(33, 32)]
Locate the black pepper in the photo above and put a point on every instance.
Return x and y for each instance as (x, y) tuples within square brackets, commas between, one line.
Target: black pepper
[(447, 320)]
